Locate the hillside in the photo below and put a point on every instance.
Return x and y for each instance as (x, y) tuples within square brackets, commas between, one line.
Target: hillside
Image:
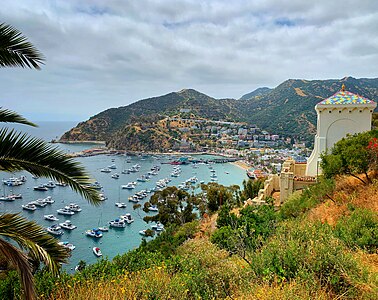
[(286, 110)]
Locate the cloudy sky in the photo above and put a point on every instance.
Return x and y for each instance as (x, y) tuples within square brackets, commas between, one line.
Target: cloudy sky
[(109, 53)]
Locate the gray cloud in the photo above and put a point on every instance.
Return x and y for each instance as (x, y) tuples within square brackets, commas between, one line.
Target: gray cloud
[(103, 54)]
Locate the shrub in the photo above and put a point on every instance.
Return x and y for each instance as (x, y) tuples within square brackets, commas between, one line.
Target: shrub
[(359, 230)]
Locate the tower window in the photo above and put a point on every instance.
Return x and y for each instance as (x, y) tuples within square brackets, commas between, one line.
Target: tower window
[(360, 110), (330, 111), (339, 111)]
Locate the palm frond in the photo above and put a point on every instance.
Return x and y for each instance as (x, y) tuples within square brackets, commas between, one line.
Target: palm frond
[(9, 116), (16, 51), (18, 151), (20, 261), (33, 238)]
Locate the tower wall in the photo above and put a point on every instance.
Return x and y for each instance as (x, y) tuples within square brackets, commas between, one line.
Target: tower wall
[(334, 122)]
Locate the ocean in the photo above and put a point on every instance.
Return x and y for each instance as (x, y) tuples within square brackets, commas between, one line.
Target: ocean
[(116, 241)]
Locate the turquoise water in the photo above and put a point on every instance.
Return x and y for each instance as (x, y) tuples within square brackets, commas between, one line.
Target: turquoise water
[(116, 241)]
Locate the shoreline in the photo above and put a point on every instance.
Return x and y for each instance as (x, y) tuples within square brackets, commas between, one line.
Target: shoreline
[(241, 164)]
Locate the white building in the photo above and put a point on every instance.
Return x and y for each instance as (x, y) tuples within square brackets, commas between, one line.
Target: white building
[(341, 114)]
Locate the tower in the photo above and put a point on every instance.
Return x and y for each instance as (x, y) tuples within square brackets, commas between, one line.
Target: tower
[(341, 114)]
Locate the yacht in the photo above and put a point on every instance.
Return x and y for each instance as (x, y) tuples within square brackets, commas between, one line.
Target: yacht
[(128, 186), (74, 207), (103, 228), (67, 225), (96, 233), (134, 199), (142, 178), (49, 200), (153, 208), (29, 206), (41, 188), (97, 251), (50, 185), (103, 197), (113, 167), (7, 198), (15, 196), (39, 202), (65, 211), (127, 218), (96, 185), (13, 181), (105, 170), (54, 229), (50, 218), (119, 223), (67, 245), (115, 176), (158, 226), (120, 204), (61, 183)]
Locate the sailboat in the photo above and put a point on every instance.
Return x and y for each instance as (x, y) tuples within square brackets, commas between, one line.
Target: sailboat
[(102, 228)]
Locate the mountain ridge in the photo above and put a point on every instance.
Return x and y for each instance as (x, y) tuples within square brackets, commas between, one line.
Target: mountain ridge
[(287, 109)]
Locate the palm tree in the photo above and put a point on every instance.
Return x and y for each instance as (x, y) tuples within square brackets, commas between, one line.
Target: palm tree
[(18, 151)]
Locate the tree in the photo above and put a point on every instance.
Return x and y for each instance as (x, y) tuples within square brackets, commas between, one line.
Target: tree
[(18, 152), (351, 156)]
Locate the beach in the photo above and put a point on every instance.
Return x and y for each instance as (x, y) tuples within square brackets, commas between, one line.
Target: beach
[(241, 164)]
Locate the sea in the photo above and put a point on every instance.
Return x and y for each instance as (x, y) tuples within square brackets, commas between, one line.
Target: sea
[(115, 241)]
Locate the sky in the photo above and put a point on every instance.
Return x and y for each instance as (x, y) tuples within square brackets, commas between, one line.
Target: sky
[(109, 53)]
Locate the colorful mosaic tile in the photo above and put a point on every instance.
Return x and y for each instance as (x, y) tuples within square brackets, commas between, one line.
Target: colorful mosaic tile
[(345, 97)]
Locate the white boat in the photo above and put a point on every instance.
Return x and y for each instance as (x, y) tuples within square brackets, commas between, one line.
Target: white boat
[(41, 188), (128, 186), (50, 185), (115, 176), (97, 251), (55, 230), (13, 181), (119, 223), (113, 167), (142, 178), (102, 197), (7, 198), (74, 207), (153, 208), (49, 200), (50, 218), (39, 202), (96, 185), (134, 199), (127, 218), (96, 233), (67, 245), (67, 225), (29, 206), (120, 205), (65, 211), (61, 184), (158, 226), (103, 228), (105, 170)]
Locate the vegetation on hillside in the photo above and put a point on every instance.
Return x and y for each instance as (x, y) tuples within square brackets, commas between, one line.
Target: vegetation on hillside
[(287, 110)]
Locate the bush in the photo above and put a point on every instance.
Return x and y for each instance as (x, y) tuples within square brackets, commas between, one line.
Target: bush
[(359, 230)]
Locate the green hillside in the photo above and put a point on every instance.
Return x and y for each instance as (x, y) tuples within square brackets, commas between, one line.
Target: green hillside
[(287, 110)]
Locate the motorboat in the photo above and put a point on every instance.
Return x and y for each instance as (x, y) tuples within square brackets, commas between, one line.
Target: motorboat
[(134, 199), (67, 245), (74, 207), (55, 230), (13, 181), (128, 186), (67, 225), (153, 208), (96, 185), (50, 185), (120, 205), (119, 223), (41, 188), (97, 251), (115, 176), (15, 196), (102, 197), (125, 172), (29, 206), (7, 198), (103, 228), (96, 233), (59, 183), (50, 218), (158, 227), (65, 211), (127, 218), (105, 170), (142, 178), (39, 202), (112, 166), (49, 200)]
